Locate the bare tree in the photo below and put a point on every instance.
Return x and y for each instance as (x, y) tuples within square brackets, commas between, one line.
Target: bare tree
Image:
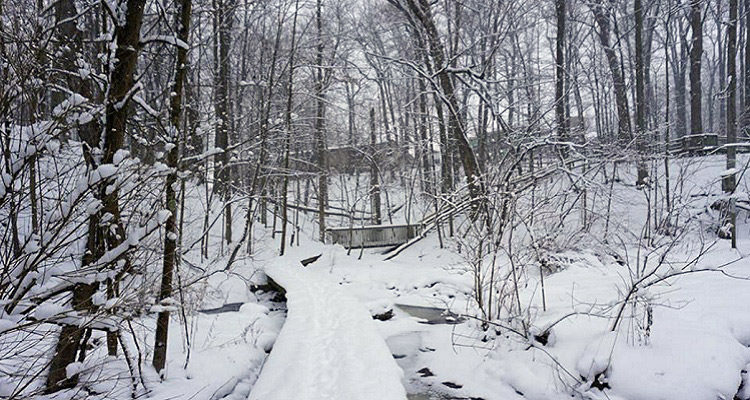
[(640, 92), (419, 11), (223, 18), (729, 182), (171, 235), (602, 17), (288, 135), (374, 173), (320, 142), (696, 54), (562, 122), (127, 37)]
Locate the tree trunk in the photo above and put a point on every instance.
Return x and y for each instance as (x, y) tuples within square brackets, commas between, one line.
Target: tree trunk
[(667, 188), (374, 174), (601, 15), (68, 343), (351, 139), (562, 123), (170, 226), (729, 181), (651, 109), (222, 170), (640, 94), (473, 174), (696, 53), (426, 145), (288, 135), (320, 143), (680, 89), (120, 83)]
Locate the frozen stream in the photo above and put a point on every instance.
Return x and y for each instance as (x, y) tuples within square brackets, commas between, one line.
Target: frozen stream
[(431, 315), (407, 347)]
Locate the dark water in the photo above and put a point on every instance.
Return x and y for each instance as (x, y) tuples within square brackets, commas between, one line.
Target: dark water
[(431, 315), (406, 348), (429, 395), (229, 307)]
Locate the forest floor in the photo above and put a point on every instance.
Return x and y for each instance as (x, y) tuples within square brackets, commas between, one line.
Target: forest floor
[(685, 337)]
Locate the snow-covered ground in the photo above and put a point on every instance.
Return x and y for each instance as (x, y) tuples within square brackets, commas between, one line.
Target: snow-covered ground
[(695, 346), (684, 334)]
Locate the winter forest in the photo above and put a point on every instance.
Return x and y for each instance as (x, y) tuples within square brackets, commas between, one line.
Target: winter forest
[(375, 199)]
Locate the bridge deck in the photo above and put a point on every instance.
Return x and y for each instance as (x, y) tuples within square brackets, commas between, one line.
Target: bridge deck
[(372, 235), (328, 347)]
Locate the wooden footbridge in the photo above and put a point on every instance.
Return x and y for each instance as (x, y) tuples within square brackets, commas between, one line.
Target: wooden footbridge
[(329, 346), (401, 236)]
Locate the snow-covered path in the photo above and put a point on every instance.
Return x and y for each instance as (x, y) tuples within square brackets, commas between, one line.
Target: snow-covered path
[(328, 348)]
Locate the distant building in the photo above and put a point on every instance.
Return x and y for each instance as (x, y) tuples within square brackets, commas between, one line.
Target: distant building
[(350, 159)]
